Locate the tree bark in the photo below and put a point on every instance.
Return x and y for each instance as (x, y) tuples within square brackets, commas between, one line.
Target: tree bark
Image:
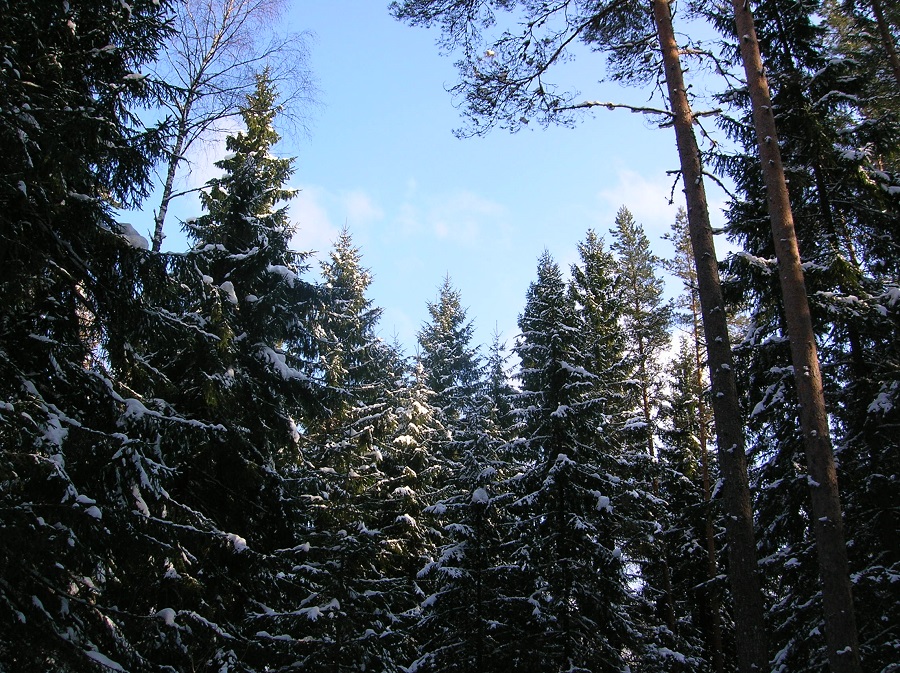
[(750, 634), (840, 622), (712, 568), (887, 40), (168, 187)]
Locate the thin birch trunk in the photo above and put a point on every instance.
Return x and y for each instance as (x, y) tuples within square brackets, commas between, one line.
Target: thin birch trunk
[(168, 187)]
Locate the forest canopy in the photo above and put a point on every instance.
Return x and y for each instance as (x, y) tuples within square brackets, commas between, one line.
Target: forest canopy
[(211, 460)]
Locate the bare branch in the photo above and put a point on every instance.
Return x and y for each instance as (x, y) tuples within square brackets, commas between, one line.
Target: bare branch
[(213, 56), (715, 178), (613, 106)]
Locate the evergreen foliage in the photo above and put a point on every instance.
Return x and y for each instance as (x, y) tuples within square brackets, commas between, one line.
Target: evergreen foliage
[(834, 122), (570, 495), (452, 365), (210, 462), (72, 147)]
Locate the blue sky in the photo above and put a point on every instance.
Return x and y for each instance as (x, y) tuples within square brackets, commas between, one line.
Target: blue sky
[(381, 158)]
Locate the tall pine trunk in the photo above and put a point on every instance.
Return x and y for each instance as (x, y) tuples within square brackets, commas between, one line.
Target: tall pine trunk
[(887, 39), (750, 634), (715, 604), (840, 622)]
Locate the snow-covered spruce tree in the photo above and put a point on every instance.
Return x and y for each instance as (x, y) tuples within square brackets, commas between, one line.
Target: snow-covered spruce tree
[(687, 436), (346, 619), (498, 388), (510, 85), (368, 537), (461, 579), (465, 617), (249, 370), (72, 148), (412, 475), (452, 365), (691, 528), (834, 139), (569, 514), (597, 290)]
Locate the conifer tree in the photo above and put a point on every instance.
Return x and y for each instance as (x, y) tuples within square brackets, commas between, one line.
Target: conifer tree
[(646, 315), (452, 365), (347, 619), (250, 371), (71, 281), (464, 618), (840, 205), (692, 520), (686, 451), (646, 318), (569, 518), (510, 85), (498, 385)]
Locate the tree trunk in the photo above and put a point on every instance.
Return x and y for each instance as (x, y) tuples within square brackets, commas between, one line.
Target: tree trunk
[(160, 219), (750, 634), (665, 570), (840, 623), (712, 569), (887, 40)]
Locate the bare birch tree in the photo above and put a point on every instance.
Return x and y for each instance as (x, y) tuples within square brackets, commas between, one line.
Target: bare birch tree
[(212, 58)]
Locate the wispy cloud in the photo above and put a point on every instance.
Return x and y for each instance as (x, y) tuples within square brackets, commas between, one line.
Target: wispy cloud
[(647, 199), (311, 212), (462, 218), (360, 209), (320, 214)]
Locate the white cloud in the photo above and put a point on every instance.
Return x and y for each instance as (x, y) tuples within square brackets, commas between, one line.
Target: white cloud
[(320, 214), (204, 153), (360, 209), (463, 217), (309, 211), (648, 201)]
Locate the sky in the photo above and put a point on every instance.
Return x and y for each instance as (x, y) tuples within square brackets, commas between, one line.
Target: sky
[(380, 158)]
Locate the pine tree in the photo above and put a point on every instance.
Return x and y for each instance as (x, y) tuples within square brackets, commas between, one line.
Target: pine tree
[(646, 315), (840, 204)]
